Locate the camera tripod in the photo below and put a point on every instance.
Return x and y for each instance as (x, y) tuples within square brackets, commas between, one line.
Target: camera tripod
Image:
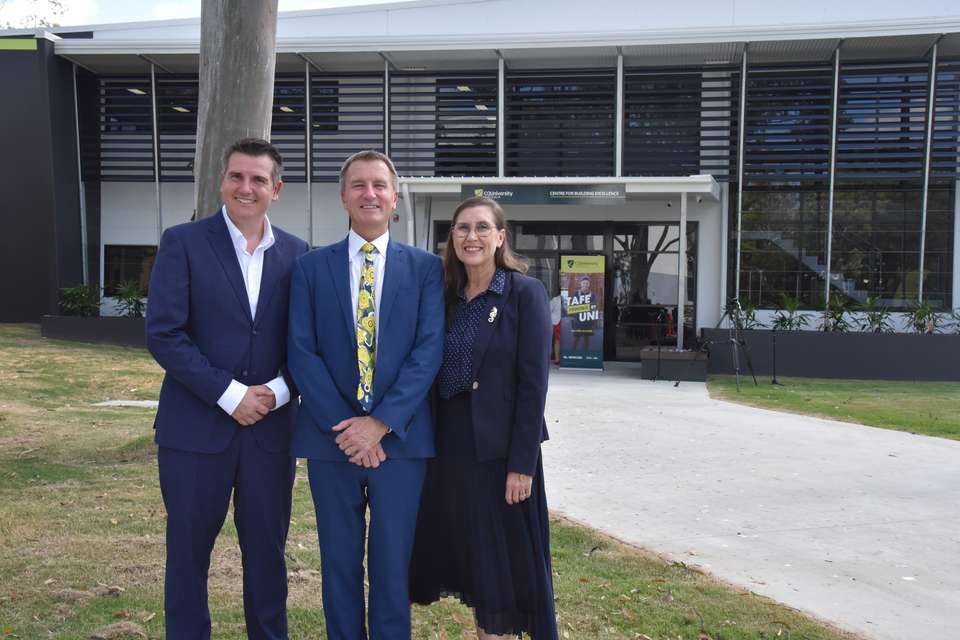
[(734, 313)]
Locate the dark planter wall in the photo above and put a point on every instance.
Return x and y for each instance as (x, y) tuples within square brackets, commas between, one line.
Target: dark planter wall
[(125, 332), (816, 354)]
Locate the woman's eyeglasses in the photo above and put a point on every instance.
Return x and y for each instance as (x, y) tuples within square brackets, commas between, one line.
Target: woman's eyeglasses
[(482, 229)]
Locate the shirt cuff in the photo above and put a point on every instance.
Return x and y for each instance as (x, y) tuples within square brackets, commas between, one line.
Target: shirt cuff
[(231, 398), (280, 391)]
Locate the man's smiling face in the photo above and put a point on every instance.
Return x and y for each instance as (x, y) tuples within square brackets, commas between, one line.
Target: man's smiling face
[(369, 197), (247, 188)]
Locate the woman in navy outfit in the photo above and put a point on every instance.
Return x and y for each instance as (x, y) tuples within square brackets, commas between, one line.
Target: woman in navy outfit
[(483, 531)]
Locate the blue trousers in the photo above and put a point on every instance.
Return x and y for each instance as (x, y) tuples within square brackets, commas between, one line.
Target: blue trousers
[(341, 494), (196, 491)]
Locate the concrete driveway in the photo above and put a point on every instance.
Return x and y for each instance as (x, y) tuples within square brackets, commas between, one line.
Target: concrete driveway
[(856, 525)]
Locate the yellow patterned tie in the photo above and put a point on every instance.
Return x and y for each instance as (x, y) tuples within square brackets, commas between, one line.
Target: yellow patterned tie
[(366, 327)]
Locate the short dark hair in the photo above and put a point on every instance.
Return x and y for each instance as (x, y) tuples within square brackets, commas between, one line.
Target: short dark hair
[(369, 155), (255, 147)]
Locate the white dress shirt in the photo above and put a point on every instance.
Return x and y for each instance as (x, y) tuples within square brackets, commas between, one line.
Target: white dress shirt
[(355, 253), (251, 267)]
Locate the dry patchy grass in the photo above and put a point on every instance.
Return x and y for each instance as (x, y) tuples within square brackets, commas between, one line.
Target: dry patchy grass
[(82, 526)]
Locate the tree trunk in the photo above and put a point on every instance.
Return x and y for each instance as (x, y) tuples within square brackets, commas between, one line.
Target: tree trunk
[(237, 59)]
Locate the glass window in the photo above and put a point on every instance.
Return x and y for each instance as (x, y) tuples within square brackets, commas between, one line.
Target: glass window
[(783, 245), (876, 242), (534, 238), (581, 242), (124, 263)]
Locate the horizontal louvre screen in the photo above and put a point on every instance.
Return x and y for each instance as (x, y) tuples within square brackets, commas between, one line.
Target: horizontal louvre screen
[(288, 131), (347, 114), (788, 124), (882, 121), (444, 124), (126, 129), (560, 123), (177, 100), (945, 151), (680, 122)]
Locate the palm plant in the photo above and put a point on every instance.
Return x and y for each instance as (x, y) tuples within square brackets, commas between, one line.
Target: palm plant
[(748, 317), (876, 317), (130, 299), (955, 317), (835, 315), (923, 318), (788, 317)]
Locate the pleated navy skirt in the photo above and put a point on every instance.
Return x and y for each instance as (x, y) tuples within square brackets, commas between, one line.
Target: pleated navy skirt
[(472, 545)]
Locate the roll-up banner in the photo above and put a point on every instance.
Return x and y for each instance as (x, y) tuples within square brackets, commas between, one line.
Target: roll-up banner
[(581, 323)]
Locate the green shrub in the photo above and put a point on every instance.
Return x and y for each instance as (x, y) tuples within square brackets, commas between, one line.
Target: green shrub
[(81, 300)]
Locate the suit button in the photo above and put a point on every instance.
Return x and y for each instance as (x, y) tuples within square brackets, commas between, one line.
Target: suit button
[(254, 332), (244, 372), (476, 385)]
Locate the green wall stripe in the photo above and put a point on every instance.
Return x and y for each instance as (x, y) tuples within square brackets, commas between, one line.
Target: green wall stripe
[(18, 44)]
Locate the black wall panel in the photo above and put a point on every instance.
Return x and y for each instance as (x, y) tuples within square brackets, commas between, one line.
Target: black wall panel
[(40, 246)]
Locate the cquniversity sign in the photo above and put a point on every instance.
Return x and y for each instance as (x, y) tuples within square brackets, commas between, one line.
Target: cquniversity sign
[(578, 194)]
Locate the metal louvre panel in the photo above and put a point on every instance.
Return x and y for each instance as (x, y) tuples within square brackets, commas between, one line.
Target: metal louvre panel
[(88, 124), (177, 107), (881, 122), (945, 148), (126, 129), (560, 123), (288, 129), (444, 124), (788, 124), (346, 116), (680, 122), (177, 100)]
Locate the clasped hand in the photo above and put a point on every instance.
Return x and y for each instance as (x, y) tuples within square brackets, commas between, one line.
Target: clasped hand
[(257, 402), (359, 438)]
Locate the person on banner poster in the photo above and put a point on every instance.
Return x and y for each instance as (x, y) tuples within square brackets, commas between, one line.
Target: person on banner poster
[(584, 313)]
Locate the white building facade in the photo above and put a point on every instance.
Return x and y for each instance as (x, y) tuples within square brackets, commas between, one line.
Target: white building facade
[(809, 151)]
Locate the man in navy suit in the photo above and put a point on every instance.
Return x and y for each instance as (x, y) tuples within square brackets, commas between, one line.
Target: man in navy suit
[(217, 324), (366, 340)]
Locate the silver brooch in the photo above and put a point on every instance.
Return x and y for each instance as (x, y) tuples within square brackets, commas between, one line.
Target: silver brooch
[(493, 315)]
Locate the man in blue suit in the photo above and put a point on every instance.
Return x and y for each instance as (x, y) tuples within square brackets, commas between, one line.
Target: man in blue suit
[(217, 324), (365, 343)]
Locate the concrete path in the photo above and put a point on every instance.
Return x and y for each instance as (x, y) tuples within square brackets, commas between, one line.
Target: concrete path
[(856, 525)]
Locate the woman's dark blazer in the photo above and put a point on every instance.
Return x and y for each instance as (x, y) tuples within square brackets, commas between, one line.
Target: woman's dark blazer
[(511, 364)]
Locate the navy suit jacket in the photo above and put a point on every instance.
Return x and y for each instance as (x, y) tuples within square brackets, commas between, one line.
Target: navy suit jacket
[(323, 350), (511, 365), (200, 331)]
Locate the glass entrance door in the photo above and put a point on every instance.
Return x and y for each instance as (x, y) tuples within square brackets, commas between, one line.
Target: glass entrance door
[(646, 260)]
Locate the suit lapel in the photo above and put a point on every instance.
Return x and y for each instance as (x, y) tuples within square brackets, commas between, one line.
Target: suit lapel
[(220, 241), (485, 332), (268, 280), (392, 274), (339, 265)]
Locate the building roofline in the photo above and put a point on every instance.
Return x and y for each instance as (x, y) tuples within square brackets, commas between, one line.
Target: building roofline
[(949, 24), (182, 22)]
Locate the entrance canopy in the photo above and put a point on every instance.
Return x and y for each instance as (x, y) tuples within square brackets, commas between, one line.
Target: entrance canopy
[(703, 187)]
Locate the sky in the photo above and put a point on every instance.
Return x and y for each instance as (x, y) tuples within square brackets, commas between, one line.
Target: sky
[(81, 12)]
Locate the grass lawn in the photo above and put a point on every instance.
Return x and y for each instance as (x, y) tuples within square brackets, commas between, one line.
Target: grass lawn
[(82, 525), (928, 408)]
